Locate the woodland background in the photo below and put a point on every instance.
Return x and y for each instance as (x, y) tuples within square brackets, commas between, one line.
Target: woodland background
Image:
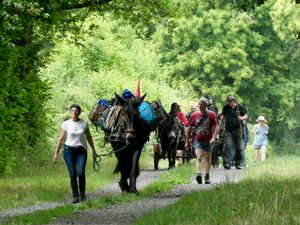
[(57, 52)]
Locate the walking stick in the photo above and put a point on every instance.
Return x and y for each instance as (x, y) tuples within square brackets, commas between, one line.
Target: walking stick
[(239, 114)]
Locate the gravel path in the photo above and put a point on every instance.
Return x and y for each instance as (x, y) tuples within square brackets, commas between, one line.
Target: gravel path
[(144, 179), (127, 212), (122, 214)]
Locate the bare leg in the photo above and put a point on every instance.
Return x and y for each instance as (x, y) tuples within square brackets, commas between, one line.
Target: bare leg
[(199, 155), (263, 153), (257, 154), (207, 161), (179, 157)]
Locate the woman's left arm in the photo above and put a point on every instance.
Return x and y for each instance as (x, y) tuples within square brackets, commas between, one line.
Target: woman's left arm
[(90, 141), (267, 130)]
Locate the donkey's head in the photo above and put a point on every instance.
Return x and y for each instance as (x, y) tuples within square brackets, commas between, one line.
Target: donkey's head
[(129, 116), (172, 127)]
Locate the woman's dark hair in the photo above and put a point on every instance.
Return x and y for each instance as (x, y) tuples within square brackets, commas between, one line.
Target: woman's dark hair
[(76, 106), (175, 106)]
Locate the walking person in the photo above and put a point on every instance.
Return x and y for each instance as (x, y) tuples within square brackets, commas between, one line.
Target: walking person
[(205, 128), (74, 134), (261, 130), (233, 115), (193, 109), (211, 105), (176, 110)]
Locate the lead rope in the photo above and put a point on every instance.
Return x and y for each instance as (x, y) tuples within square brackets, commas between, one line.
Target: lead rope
[(98, 159)]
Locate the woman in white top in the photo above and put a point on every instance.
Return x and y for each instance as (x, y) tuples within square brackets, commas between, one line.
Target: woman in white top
[(261, 130), (74, 134)]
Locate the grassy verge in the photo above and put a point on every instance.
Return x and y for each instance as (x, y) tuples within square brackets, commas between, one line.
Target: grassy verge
[(269, 194), (54, 186), (50, 183), (166, 182)]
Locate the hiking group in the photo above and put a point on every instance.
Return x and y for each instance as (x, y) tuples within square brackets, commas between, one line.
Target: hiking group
[(208, 133)]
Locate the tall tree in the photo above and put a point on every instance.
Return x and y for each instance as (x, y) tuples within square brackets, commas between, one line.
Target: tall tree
[(25, 38), (221, 50)]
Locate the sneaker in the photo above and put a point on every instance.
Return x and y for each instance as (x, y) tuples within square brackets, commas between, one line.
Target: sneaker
[(238, 167), (82, 197), (227, 166), (206, 178), (75, 199), (199, 178)]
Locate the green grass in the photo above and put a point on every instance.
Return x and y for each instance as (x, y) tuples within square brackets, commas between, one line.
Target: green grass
[(167, 181), (269, 190), (269, 194), (41, 217), (50, 183)]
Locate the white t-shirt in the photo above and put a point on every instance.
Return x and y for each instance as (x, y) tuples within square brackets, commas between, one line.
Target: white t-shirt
[(75, 132)]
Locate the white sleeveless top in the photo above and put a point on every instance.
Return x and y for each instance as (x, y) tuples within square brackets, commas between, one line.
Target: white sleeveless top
[(75, 132)]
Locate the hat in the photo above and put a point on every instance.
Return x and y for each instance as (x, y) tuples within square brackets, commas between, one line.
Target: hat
[(127, 94), (194, 107), (230, 98), (261, 118)]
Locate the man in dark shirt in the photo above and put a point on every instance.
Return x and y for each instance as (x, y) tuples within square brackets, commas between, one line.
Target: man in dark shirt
[(232, 115)]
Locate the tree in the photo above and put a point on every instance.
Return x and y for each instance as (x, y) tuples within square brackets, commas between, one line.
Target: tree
[(220, 50), (27, 29)]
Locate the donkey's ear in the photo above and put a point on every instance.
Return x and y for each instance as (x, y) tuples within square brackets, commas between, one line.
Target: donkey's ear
[(120, 100), (142, 98)]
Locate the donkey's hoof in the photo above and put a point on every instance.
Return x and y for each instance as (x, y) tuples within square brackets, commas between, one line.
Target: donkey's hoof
[(124, 187), (133, 191)]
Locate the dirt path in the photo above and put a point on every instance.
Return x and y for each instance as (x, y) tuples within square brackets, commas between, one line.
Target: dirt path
[(126, 213), (121, 214)]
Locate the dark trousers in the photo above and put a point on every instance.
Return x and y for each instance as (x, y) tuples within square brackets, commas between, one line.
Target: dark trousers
[(75, 159), (233, 148)]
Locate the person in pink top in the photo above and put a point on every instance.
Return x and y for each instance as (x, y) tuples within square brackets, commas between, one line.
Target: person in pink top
[(205, 127), (182, 118)]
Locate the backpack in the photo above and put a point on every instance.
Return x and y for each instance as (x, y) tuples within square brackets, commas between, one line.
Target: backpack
[(110, 117), (213, 107), (158, 109), (147, 113), (98, 109), (199, 129)]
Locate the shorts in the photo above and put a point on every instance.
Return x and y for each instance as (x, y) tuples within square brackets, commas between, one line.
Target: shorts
[(259, 146), (204, 146)]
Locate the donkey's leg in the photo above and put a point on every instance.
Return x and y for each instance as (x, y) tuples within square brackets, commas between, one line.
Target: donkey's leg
[(173, 152), (134, 171), (170, 158), (123, 181)]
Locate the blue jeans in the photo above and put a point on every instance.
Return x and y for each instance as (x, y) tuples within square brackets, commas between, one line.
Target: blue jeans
[(75, 158)]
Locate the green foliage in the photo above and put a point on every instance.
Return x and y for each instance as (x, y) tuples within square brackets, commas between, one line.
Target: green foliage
[(250, 48), (220, 51), (26, 37), (109, 58)]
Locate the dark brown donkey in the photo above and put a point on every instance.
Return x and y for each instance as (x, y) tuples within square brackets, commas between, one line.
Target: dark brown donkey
[(127, 138)]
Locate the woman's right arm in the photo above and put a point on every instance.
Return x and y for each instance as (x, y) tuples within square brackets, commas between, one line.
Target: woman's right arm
[(59, 143)]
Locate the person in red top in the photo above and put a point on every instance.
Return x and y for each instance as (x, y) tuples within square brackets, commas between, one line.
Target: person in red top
[(205, 127), (175, 109)]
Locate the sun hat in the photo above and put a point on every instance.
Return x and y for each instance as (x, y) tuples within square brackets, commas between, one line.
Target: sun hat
[(193, 107), (261, 118)]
